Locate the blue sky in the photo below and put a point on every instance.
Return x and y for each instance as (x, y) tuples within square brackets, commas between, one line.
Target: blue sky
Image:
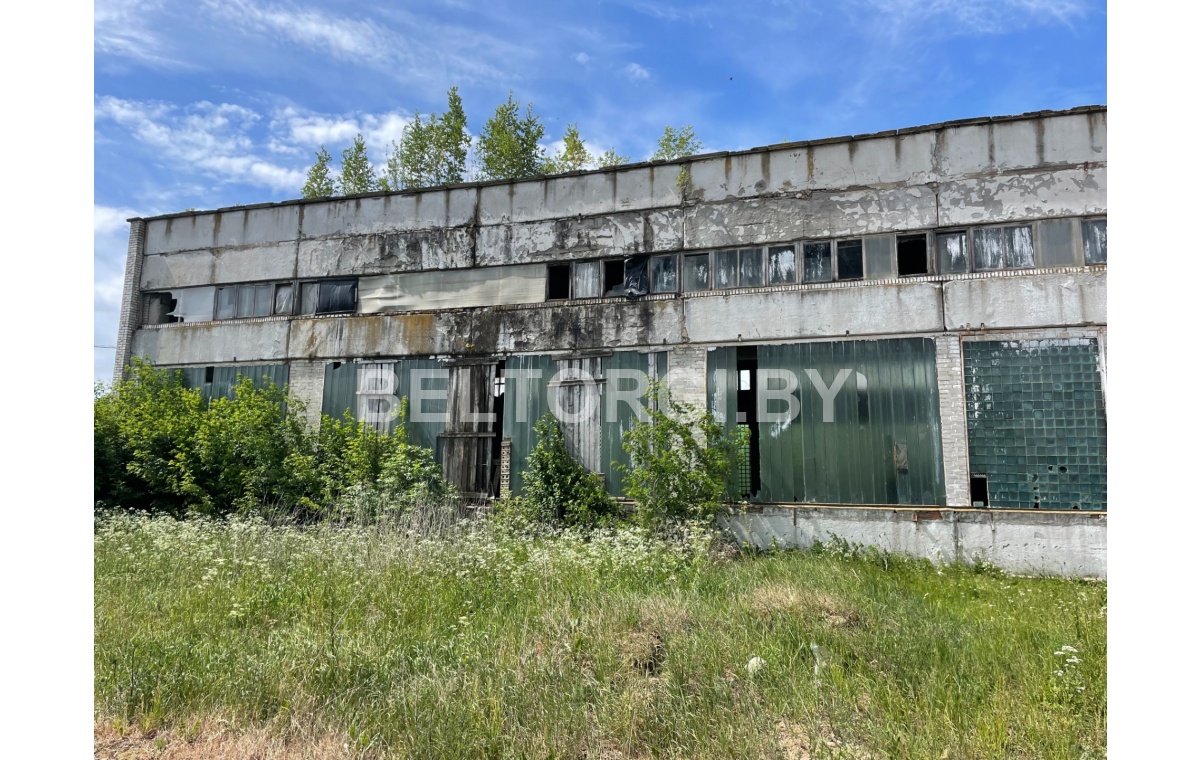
[(217, 103)]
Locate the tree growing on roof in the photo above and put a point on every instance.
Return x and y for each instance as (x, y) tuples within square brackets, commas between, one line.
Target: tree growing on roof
[(357, 175), (508, 145), (677, 143), (319, 183), (430, 152), (573, 155), (611, 157)]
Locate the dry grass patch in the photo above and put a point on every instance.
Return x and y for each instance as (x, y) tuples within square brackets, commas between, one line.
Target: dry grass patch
[(781, 599), (212, 740), (795, 742)]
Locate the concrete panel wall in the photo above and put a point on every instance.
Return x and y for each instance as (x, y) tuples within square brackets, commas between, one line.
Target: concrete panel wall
[(362, 337), (213, 342), (995, 200), (234, 228), (451, 248), (818, 313), (214, 266), (1058, 300), (1061, 544)]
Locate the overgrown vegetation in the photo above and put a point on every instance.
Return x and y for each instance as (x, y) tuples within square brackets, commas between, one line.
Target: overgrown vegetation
[(160, 447), (424, 637), (436, 150), (682, 459)]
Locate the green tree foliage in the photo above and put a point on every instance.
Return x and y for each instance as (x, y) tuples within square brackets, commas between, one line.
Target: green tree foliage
[(676, 144), (430, 152), (573, 156), (508, 145), (319, 183), (357, 174), (558, 489), (611, 157), (681, 458), (160, 447)]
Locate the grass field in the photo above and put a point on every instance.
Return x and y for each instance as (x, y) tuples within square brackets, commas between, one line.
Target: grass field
[(426, 640)]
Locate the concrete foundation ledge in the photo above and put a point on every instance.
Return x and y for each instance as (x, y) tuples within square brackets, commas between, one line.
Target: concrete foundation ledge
[(1072, 544)]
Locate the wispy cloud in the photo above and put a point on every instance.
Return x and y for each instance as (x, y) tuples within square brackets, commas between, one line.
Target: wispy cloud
[(582, 58), (636, 72), (121, 28), (357, 40), (976, 16), (298, 129)]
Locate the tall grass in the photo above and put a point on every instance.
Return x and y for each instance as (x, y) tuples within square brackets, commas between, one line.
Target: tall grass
[(424, 636)]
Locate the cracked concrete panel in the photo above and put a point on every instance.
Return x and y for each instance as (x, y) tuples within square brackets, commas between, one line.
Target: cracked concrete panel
[(1069, 140), (365, 336), (360, 216), (431, 209), (832, 166), (185, 233), (815, 215), (1014, 145), (962, 151), (880, 310), (465, 288), (381, 254), (215, 266), (495, 204), (564, 239), (1013, 302), (663, 231), (583, 194), (214, 342), (461, 206), (993, 200), (257, 226)]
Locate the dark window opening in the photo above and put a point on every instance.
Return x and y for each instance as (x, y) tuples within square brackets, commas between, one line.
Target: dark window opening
[(558, 282), (337, 296), (979, 491), (818, 264), (208, 374), (911, 255), (749, 472), (849, 260), (614, 277), (158, 309), (637, 278), (497, 440)]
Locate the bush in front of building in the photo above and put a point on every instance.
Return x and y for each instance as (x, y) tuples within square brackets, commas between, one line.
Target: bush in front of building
[(681, 462), (558, 489), (160, 447)]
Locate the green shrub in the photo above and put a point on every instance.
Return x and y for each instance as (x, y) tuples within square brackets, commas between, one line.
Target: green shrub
[(159, 447), (558, 489), (681, 462)]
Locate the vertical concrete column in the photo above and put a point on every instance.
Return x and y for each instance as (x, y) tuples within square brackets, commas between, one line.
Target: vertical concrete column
[(687, 374), (952, 411), (306, 382), (131, 298)]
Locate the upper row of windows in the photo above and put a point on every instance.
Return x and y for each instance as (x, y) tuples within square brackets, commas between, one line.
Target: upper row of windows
[(254, 300), (813, 261)]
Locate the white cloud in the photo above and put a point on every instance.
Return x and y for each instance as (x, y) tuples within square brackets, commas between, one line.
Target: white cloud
[(976, 16), (347, 39), (298, 131), (582, 58), (211, 138), (121, 28), (636, 72)]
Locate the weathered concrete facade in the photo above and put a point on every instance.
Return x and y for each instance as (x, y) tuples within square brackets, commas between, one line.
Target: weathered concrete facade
[(989, 229)]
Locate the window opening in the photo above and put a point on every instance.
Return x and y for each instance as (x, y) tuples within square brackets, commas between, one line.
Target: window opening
[(849, 260), (558, 282), (911, 255), (818, 266)]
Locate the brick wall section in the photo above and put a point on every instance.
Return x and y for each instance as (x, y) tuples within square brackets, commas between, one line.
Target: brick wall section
[(687, 374), (306, 381), (131, 298), (953, 413)]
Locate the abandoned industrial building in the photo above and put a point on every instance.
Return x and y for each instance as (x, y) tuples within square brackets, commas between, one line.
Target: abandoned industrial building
[(910, 325)]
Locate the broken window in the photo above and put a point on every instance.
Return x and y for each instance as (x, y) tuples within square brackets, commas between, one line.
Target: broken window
[(952, 252), (337, 296), (283, 298), (912, 258), (558, 282), (193, 304), (637, 279), (1095, 241), (158, 309), (750, 266), (696, 272), (614, 277), (818, 266), (664, 274), (726, 269), (586, 282), (849, 260), (781, 265)]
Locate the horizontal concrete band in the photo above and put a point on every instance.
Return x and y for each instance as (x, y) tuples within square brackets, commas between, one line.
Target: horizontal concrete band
[(1073, 544), (1062, 300)]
